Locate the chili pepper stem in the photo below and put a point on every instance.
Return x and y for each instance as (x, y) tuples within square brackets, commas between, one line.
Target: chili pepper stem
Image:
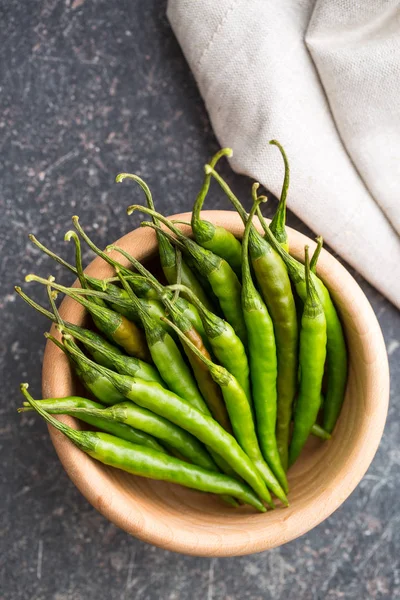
[(198, 205), (78, 437), (315, 256), (278, 222)]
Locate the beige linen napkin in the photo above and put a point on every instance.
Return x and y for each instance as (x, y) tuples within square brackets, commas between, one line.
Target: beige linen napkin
[(324, 79)]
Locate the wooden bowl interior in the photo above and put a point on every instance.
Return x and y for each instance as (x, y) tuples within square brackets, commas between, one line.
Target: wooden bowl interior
[(326, 473)]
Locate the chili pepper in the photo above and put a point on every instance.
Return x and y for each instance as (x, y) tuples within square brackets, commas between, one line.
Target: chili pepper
[(276, 291), (115, 326), (166, 250), (277, 224), (336, 346), (312, 354), (144, 420), (241, 417), (263, 358), (224, 342), (188, 309), (99, 385), (207, 386), (72, 405), (213, 237), (146, 462), (220, 275), (138, 285), (112, 358), (167, 356)]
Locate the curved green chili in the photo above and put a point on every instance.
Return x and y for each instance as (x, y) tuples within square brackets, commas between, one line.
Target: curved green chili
[(224, 342), (99, 385), (336, 346), (312, 354), (220, 275), (166, 250), (112, 358), (241, 417), (167, 356), (207, 386), (214, 237), (276, 291), (144, 420), (263, 358), (145, 462), (73, 405)]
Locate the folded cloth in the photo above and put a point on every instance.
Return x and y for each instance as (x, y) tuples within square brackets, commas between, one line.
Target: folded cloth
[(323, 78)]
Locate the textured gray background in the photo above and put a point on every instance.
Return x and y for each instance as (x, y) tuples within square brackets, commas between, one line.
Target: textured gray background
[(89, 89)]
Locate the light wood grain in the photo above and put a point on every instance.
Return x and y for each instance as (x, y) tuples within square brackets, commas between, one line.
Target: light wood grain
[(325, 475)]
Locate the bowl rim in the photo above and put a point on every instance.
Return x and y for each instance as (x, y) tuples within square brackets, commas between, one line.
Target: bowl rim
[(100, 495)]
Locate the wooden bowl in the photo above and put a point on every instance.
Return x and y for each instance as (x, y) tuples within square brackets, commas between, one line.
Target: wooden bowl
[(186, 521)]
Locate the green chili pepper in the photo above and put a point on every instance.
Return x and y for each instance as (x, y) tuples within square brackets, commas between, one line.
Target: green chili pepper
[(220, 275), (126, 365), (144, 420), (276, 291), (209, 389), (73, 405), (166, 250), (224, 342), (336, 345), (115, 326), (278, 223), (99, 385), (167, 356), (263, 358), (241, 417), (312, 354), (213, 237), (146, 462)]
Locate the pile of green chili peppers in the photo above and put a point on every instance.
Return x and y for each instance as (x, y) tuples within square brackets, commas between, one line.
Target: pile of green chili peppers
[(213, 375)]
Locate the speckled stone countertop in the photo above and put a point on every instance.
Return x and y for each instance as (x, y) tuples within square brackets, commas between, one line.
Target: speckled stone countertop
[(89, 89)]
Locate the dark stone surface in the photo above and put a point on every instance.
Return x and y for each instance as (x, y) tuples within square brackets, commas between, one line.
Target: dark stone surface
[(89, 89)]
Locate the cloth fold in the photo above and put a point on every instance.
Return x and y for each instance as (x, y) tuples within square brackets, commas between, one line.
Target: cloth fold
[(323, 78)]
